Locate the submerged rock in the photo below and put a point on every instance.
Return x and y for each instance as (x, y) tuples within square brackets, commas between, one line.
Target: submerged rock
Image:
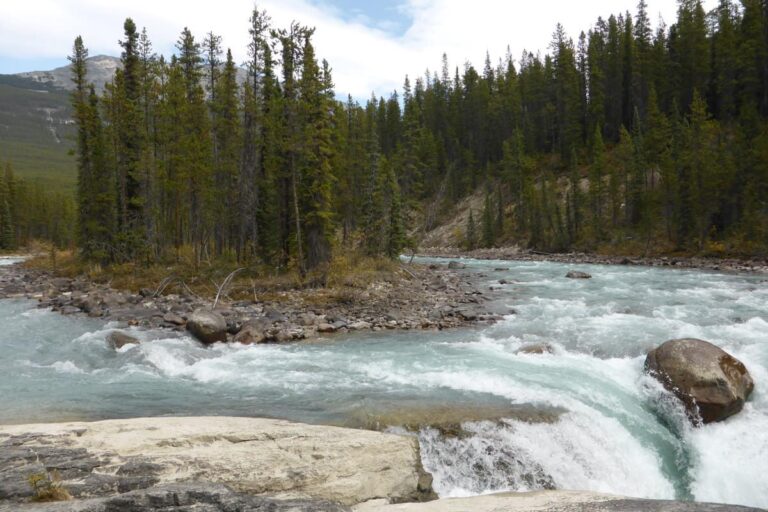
[(449, 420), (119, 339), (537, 349), (578, 275), (712, 384), (455, 265), (207, 326)]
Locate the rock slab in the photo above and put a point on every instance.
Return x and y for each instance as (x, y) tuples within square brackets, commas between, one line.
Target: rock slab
[(712, 384), (550, 501), (252, 456)]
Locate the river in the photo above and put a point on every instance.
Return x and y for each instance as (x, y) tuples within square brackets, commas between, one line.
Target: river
[(617, 430)]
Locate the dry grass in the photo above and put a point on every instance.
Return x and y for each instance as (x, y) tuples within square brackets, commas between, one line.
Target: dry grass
[(340, 282), (48, 487)]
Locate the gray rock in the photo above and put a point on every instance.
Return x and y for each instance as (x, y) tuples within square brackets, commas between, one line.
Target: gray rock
[(119, 339), (455, 265), (326, 328), (251, 333), (712, 384), (207, 326), (199, 496), (467, 315), (359, 326), (552, 501), (173, 318), (260, 457)]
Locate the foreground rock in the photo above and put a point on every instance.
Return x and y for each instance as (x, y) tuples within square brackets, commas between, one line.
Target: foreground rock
[(181, 498), (207, 326), (252, 456), (550, 501), (712, 384)]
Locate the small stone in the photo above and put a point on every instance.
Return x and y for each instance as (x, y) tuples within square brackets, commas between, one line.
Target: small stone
[(326, 328), (173, 318)]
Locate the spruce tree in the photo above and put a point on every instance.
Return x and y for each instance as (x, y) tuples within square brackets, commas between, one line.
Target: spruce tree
[(471, 235), (489, 234)]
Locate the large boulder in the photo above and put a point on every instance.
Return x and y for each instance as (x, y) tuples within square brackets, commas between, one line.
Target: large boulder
[(207, 326), (712, 384)]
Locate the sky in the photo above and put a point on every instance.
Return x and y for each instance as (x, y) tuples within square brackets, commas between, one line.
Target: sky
[(371, 45)]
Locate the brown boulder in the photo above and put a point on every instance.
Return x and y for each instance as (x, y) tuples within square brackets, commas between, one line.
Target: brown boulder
[(536, 349), (251, 333), (712, 384), (119, 339)]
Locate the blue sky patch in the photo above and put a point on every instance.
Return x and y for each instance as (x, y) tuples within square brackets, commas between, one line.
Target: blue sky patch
[(383, 15)]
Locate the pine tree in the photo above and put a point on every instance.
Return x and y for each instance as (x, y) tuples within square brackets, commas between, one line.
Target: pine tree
[(130, 141), (597, 174), (471, 235), (317, 155), (489, 235), (396, 238), (227, 143)]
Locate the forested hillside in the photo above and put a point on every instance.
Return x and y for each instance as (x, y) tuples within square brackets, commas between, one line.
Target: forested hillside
[(629, 137), (36, 131)]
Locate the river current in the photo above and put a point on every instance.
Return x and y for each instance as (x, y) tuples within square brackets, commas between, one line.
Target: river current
[(615, 431)]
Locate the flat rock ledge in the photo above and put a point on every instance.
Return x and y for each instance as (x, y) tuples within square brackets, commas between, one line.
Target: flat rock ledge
[(549, 501), (223, 464), (104, 460)]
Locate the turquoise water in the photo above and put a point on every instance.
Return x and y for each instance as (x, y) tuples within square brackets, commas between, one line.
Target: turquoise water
[(620, 433)]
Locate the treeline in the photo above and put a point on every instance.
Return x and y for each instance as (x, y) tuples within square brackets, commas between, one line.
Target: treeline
[(29, 212), (178, 154), (629, 133), (656, 136)]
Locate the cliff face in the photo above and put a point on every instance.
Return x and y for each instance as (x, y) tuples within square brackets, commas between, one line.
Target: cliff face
[(101, 69)]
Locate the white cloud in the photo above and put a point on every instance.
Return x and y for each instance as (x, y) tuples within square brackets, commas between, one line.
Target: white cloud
[(364, 59)]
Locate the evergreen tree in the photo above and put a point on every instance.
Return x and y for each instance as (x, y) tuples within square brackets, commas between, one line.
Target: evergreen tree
[(130, 145), (471, 235), (489, 234)]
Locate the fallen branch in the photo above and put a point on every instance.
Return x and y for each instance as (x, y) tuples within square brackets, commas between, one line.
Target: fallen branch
[(224, 285)]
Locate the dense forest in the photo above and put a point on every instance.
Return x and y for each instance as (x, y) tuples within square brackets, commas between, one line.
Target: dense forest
[(28, 212), (633, 137)]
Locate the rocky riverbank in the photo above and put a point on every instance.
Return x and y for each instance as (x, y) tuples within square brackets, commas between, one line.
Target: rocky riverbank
[(228, 464), (756, 265), (416, 298)]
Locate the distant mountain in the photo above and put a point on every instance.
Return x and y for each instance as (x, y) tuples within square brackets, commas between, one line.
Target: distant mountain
[(37, 132), (101, 69)]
